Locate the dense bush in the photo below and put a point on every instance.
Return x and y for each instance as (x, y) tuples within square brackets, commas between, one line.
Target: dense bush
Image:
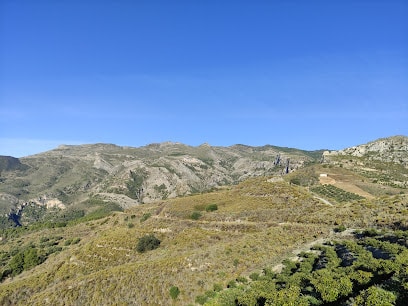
[(147, 243), (25, 260), (375, 296), (211, 207), (195, 215), (174, 292)]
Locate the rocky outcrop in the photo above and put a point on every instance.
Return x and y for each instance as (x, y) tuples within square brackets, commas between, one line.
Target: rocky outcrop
[(391, 149)]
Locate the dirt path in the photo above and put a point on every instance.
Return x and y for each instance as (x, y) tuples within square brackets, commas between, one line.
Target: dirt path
[(323, 200)]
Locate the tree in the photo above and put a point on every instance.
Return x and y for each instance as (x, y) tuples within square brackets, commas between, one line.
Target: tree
[(211, 207), (374, 296), (195, 215), (331, 285), (16, 263), (31, 258), (147, 243)]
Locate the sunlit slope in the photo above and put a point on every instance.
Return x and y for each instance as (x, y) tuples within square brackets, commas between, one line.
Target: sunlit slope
[(250, 226)]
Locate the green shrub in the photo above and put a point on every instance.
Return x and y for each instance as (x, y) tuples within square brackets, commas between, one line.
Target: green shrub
[(241, 279), (145, 217), (31, 258), (232, 284), (340, 228), (25, 260), (210, 294), (217, 287), (147, 243), (67, 242), (201, 299), (195, 215), (374, 296), (254, 276), (76, 240), (211, 207), (371, 232), (44, 239), (174, 292), (16, 264)]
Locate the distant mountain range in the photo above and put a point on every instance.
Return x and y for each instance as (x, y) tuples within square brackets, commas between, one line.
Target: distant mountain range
[(129, 176)]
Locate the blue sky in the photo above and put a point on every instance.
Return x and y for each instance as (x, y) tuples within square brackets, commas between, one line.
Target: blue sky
[(305, 74)]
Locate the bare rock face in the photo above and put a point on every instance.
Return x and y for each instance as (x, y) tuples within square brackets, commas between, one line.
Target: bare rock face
[(391, 149), (7, 203), (383, 161)]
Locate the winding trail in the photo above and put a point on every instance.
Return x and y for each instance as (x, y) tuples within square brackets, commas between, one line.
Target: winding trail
[(323, 200)]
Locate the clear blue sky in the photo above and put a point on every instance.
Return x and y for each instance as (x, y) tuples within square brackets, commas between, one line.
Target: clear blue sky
[(305, 74)]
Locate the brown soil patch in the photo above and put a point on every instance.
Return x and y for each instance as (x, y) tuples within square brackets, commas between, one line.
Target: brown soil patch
[(344, 182), (354, 189), (326, 180)]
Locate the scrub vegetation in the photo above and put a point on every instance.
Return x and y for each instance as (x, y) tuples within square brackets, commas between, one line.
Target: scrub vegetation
[(263, 238), (228, 254)]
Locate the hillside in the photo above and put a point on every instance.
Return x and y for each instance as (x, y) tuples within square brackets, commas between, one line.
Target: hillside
[(246, 242), (251, 227), (68, 175), (391, 149), (31, 188), (384, 162)]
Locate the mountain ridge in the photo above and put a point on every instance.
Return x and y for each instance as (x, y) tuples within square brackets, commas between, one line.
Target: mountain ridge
[(172, 160), (70, 174)]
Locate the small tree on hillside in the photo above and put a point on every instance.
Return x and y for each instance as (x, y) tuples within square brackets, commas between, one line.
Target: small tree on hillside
[(147, 243)]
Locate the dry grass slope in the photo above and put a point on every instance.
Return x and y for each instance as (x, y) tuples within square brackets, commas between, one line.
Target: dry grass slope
[(256, 225)]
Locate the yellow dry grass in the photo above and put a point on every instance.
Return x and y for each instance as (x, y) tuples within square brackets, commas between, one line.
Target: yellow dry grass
[(256, 225)]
